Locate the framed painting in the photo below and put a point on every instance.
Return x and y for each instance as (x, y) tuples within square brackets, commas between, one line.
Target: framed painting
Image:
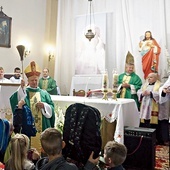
[(5, 30)]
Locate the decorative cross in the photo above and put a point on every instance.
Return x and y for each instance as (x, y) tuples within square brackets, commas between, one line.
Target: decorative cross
[(1, 8), (36, 118)]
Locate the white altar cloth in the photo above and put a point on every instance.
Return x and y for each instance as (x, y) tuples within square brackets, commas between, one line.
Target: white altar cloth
[(124, 111)]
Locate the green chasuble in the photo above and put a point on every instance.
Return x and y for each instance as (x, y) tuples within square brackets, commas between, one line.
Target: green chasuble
[(41, 122), (45, 97), (132, 79), (49, 85)]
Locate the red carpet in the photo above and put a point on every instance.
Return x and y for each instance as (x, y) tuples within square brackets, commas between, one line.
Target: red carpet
[(162, 158)]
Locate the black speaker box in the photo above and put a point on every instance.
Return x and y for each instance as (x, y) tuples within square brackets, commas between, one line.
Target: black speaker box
[(140, 143)]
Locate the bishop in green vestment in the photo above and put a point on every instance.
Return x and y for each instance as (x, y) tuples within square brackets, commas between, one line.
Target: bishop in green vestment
[(38, 100), (129, 83)]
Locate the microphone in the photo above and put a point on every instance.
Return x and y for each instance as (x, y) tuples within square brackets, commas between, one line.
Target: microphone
[(88, 80)]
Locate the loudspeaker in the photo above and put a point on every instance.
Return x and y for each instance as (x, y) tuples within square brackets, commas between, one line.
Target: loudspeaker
[(140, 143)]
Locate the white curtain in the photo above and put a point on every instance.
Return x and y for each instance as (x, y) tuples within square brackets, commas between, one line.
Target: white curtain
[(127, 21)]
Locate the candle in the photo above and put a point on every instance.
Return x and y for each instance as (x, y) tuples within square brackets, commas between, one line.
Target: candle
[(115, 79), (105, 81)]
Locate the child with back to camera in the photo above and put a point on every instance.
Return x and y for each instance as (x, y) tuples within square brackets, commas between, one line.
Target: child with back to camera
[(52, 144), (18, 158)]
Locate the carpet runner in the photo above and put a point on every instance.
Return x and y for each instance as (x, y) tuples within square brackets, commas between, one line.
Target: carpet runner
[(162, 158)]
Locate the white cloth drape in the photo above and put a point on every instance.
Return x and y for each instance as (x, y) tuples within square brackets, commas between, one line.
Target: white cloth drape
[(127, 21)]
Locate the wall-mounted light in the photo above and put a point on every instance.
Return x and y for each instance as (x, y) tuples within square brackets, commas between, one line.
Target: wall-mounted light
[(27, 52), (50, 51), (50, 56)]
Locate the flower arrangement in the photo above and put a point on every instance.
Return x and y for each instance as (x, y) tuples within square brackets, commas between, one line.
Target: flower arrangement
[(59, 117)]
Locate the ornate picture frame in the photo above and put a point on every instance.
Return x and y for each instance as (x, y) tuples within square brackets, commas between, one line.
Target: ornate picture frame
[(5, 30)]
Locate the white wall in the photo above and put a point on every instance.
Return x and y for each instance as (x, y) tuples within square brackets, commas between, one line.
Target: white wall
[(128, 20), (28, 24)]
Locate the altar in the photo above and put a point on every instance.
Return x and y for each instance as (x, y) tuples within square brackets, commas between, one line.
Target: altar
[(123, 111), (6, 90)]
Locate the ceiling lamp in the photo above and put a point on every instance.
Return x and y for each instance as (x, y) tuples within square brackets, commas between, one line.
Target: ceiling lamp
[(89, 35)]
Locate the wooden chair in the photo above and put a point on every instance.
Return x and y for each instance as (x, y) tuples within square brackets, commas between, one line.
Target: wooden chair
[(79, 93)]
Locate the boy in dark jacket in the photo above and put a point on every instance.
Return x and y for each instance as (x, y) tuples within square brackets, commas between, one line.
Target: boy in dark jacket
[(52, 144), (114, 155)]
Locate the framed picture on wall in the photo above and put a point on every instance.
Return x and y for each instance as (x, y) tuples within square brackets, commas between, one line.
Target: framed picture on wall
[(5, 30)]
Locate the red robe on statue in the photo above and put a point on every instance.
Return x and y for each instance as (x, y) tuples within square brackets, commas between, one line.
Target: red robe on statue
[(150, 59)]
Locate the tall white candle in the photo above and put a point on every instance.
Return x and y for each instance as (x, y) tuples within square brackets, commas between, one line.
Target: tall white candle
[(115, 79), (105, 81)]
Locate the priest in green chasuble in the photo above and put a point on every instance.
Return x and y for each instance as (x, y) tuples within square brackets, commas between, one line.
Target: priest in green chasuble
[(48, 83), (129, 83), (38, 100)]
